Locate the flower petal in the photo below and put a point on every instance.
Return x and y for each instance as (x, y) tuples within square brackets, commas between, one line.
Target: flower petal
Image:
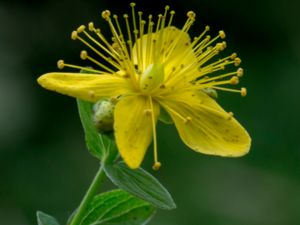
[(207, 127), (133, 128), (171, 36), (89, 87)]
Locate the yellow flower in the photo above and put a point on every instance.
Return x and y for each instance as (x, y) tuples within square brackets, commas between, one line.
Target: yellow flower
[(152, 66)]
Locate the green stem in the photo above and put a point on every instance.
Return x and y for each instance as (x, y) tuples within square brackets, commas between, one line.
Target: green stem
[(91, 192)]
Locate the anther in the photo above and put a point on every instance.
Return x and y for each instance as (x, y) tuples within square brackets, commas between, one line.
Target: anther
[(80, 29), (105, 14), (125, 16), (187, 119), (147, 112), (207, 28), (172, 12), (162, 86), (156, 166), (220, 46), (237, 61), (234, 80), (60, 64), (83, 55), (114, 100), (240, 72), (191, 15), (243, 91), (132, 4), (233, 55), (74, 35), (222, 34), (230, 115), (224, 44), (91, 26), (167, 7), (91, 94)]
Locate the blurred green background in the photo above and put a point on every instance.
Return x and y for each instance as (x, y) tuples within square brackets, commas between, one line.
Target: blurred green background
[(43, 160)]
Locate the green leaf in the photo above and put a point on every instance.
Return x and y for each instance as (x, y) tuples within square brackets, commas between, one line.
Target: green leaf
[(117, 207), (45, 219), (141, 184), (99, 145)]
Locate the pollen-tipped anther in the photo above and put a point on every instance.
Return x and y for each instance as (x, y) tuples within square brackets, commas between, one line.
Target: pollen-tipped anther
[(191, 15), (243, 91), (207, 28), (233, 55), (187, 119), (224, 44), (80, 29), (83, 55), (234, 80), (60, 64), (74, 35), (91, 26), (230, 115), (114, 100), (220, 46), (106, 14), (240, 72), (147, 112), (222, 34), (237, 61), (156, 166), (91, 94)]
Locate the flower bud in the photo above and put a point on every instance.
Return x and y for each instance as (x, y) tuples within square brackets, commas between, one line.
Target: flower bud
[(103, 115)]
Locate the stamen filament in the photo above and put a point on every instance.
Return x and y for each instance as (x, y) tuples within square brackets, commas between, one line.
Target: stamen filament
[(156, 162)]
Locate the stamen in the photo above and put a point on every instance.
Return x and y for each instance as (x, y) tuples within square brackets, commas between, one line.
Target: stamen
[(172, 13), (157, 164), (80, 28), (243, 91), (106, 14), (184, 119), (129, 34), (230, 115), (234, 80), (237, 61), (240, 72), (84, 55), (222, 34), (61, 64), (148, 112)]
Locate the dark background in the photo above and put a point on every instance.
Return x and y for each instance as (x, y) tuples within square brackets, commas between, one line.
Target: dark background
[(43, 160)]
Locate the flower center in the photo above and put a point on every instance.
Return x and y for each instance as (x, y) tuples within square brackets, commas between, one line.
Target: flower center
[(152, 77)]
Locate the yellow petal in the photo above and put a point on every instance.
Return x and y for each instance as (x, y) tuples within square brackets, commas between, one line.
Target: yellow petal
[(89, 87), (133, 128), (205, 127)]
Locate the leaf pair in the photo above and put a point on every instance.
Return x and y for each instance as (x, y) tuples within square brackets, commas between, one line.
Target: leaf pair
[(116, 207)]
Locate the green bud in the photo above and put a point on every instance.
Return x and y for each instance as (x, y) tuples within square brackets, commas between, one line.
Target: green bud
[(104, 115)]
